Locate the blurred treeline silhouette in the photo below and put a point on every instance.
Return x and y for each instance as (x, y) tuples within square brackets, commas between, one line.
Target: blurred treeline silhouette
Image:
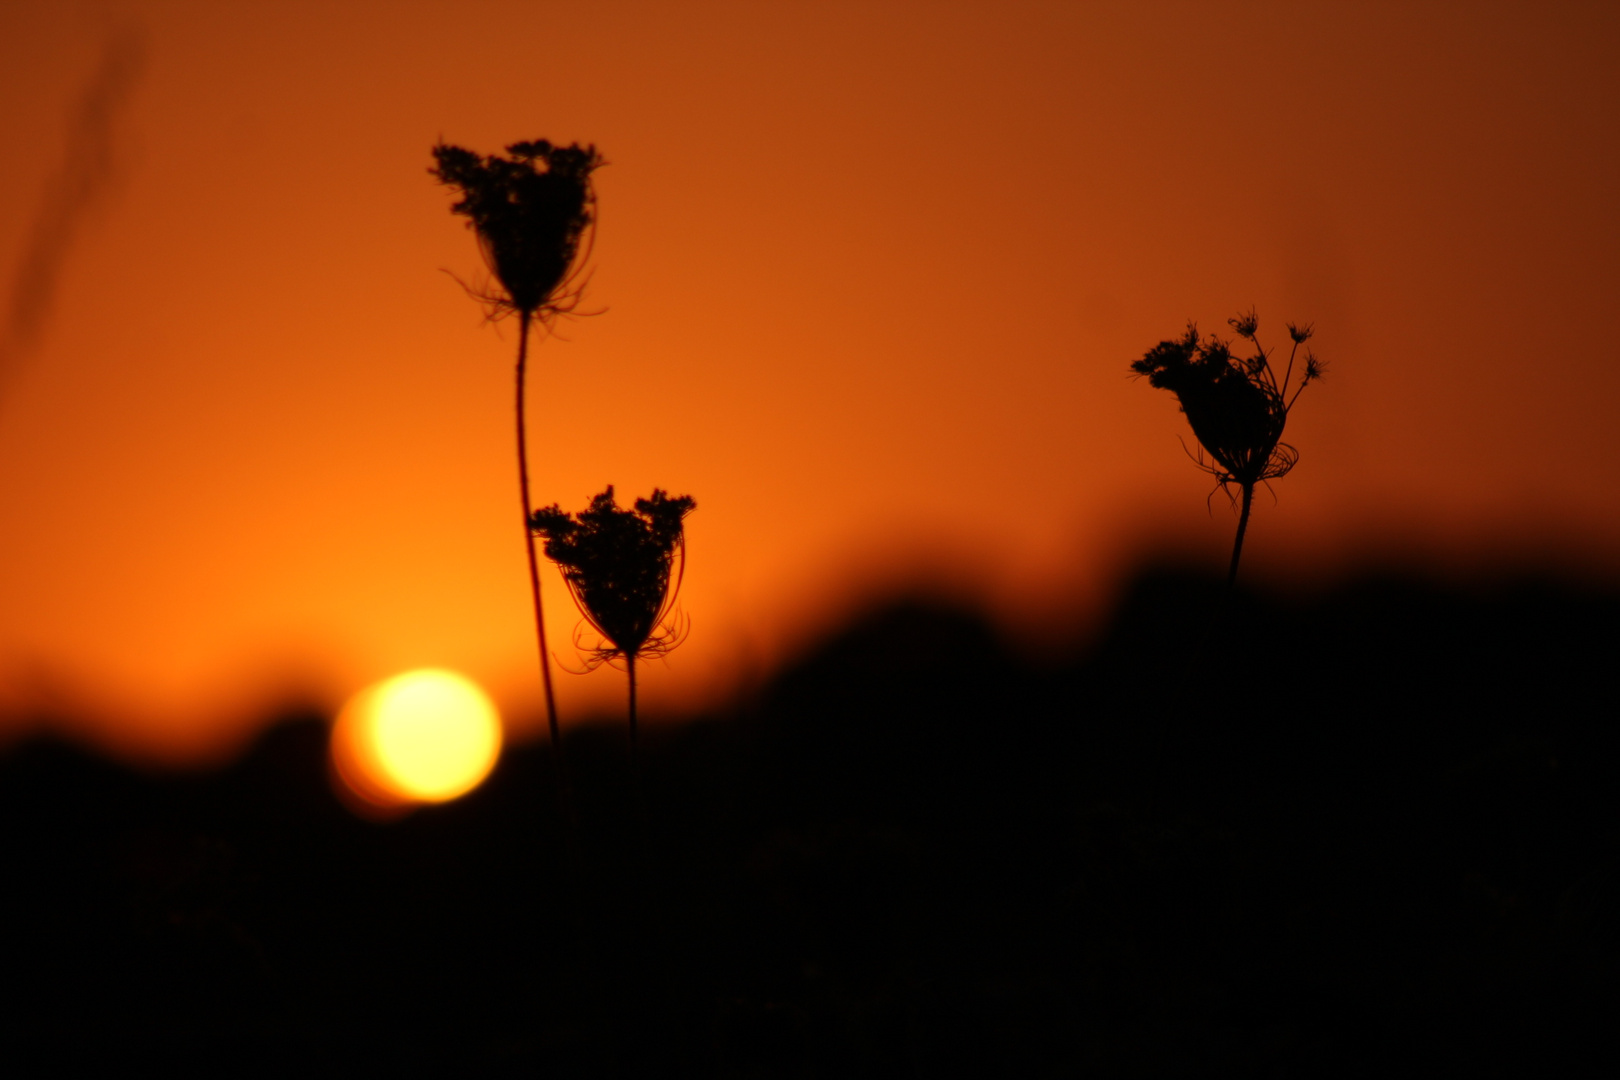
[(1364, 830)]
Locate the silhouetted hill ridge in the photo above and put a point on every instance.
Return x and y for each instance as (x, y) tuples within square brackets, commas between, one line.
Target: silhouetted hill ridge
[(1315, 834)]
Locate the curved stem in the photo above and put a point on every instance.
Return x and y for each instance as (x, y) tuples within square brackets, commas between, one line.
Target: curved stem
[(528, 543), (1243, 524)]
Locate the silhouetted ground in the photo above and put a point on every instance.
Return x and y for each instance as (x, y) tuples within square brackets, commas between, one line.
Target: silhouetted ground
[(1374, 831)]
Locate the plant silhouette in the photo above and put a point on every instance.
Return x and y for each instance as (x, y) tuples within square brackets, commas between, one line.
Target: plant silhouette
[(1237, 406), (531, 210), (624, 568)]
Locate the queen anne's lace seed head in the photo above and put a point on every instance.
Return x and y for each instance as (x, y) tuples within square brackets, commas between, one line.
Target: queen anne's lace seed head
[(530, 209), (1237, 407), (623, 568)]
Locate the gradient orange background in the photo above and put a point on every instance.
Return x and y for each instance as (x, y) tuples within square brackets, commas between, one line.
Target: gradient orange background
[(873, 274)]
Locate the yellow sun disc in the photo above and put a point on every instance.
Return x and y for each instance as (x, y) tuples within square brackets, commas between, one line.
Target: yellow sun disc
[(424, 736)]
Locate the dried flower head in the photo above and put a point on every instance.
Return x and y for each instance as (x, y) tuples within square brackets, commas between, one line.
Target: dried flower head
[(1245, 324), (1237, 406), (624, 568), (1236, 411), (530, 210)]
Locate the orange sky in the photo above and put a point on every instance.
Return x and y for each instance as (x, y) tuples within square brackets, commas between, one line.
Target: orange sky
[(873, 276)]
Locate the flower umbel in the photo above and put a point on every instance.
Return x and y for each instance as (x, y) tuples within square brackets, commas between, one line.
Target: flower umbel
[(530, 210), (1237, 406), (624, 568)]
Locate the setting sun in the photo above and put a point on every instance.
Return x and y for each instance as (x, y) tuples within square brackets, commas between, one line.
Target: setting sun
[(424, 736)]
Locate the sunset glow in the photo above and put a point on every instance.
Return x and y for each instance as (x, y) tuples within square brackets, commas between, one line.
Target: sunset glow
[(810, 537), (865, 280), (424, 736)]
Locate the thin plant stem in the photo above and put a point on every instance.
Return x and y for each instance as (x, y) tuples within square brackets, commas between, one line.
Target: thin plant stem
[(653, 952), (565, 798), (635, 758), (630, 664), (555, 732), (1243, 525)]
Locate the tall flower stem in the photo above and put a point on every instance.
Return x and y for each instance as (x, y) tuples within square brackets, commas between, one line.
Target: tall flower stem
[(524, 318), (1243, 525), (630, 664), (635, 757)]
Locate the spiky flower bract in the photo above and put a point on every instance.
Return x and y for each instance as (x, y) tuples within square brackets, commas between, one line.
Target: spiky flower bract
[(530, 210), (623, 567), (1237, 407)]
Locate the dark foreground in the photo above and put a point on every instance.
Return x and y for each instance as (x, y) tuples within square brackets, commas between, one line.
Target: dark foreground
[(1371, 833)]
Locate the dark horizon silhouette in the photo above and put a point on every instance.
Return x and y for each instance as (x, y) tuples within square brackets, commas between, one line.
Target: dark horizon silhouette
[(1363, 829)]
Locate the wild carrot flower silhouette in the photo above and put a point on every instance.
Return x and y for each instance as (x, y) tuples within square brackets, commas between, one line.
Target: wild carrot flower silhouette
[(1237, 407), (531, 209), (624, 568)]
